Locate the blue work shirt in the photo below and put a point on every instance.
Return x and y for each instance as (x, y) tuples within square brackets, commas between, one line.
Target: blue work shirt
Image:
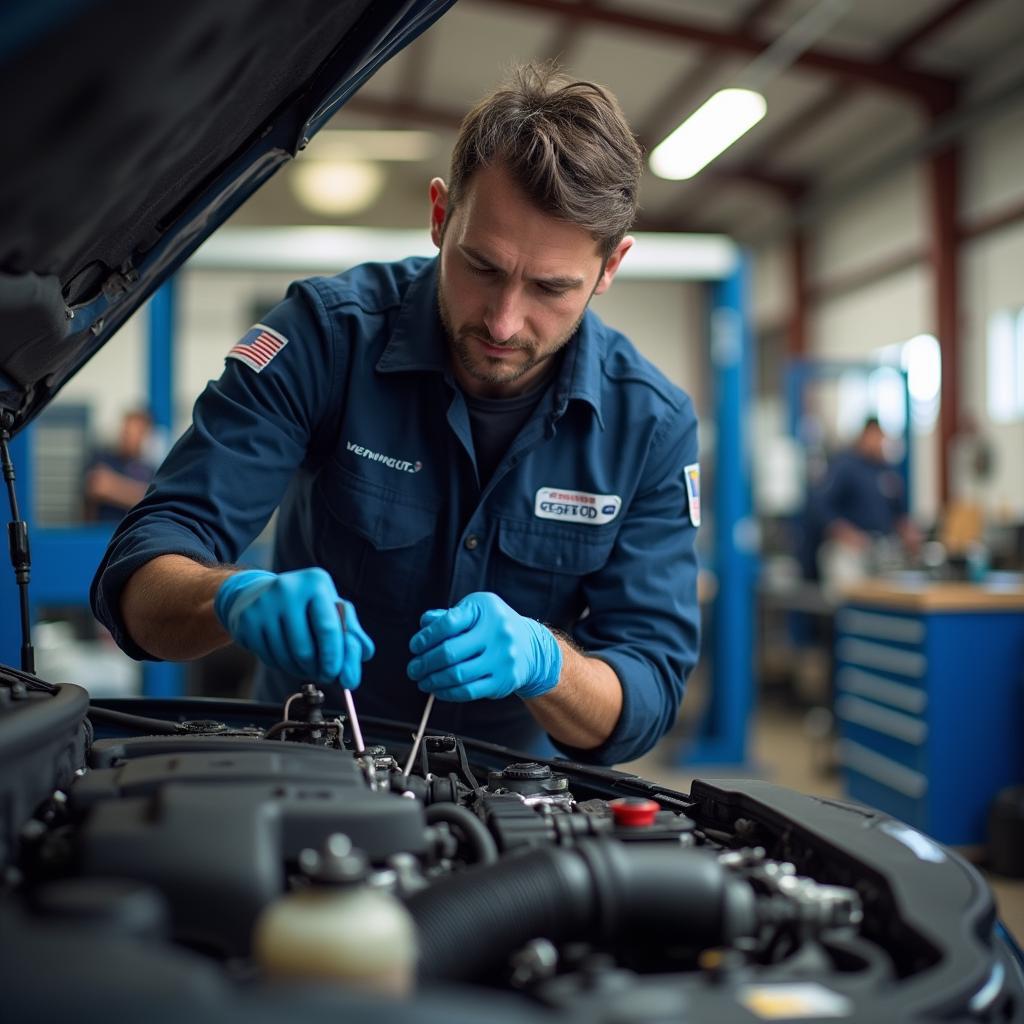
[(357, 430), (865, 492)]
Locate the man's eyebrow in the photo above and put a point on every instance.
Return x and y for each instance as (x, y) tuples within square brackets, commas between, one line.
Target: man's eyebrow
[(563, 283)]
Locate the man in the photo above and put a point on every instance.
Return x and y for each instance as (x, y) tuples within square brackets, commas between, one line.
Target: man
[(462, 452), (116, 480), (862, 500)]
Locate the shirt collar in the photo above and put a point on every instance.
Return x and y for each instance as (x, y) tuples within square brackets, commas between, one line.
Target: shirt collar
[(418, 343)]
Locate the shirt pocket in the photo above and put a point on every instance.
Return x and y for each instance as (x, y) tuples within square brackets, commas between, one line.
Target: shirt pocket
[(376, 542), (539, 569)]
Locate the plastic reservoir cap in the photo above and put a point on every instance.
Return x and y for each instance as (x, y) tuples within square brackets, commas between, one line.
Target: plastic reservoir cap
[(634, 812)]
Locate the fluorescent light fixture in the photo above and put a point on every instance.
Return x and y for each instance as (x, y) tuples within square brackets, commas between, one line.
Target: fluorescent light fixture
[(708, 131), (336, 187)]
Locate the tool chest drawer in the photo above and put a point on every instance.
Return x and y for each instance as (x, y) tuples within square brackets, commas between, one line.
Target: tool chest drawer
[(930, 709)]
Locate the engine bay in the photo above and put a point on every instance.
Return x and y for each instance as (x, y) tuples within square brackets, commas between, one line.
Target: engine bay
[(219, 858)]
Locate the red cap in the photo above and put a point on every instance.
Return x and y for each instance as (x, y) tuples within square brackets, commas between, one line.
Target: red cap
[(634, 812)]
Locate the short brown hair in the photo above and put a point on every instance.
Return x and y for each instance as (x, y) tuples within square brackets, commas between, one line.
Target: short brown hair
[(565, 143)]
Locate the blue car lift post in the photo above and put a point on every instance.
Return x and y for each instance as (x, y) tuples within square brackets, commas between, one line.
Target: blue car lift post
[(64, 559), (723, 734)]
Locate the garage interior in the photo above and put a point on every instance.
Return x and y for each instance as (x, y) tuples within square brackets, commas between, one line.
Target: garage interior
[(868, 232)]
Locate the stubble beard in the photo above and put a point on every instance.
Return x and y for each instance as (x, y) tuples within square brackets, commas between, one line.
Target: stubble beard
[(489, 370)]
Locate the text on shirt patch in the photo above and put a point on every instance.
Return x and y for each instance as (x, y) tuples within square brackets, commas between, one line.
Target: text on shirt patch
[(402, 465), (692, 474), (576, 506), (257, 347)]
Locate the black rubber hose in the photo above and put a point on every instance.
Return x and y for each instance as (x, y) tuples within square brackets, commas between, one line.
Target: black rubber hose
[(478, 838), (602, 889), (152, 726)]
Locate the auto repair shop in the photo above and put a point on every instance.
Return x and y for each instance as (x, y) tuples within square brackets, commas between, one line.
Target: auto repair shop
[(827, 259)]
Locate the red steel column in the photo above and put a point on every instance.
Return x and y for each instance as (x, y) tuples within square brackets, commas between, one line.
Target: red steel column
[(943, 201)]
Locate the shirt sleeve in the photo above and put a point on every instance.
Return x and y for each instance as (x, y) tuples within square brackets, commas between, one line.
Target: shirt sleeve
[(644, 617), (224, 477)]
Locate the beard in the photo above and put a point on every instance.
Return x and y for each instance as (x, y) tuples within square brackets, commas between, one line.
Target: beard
[(463, 343)]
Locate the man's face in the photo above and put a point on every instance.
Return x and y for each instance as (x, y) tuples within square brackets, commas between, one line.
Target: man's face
[(513, 284)]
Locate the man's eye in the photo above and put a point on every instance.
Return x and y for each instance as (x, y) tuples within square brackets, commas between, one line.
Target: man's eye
[(483, 271), (552, 290)]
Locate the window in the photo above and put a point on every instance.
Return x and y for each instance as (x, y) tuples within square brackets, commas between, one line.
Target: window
[(1006, 366)]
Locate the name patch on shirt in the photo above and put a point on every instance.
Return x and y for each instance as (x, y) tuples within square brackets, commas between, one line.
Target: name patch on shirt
[(257, 347), (576, 506), (692, 475)]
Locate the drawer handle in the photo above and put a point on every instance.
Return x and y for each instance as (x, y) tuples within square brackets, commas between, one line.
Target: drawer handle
[(882, 769), (890, 723), (888, 659), (880, 627), (866, 684)]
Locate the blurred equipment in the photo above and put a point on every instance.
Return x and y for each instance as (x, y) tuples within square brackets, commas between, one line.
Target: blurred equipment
[(1006, 832)]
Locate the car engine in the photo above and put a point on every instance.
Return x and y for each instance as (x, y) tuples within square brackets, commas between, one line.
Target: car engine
[(226, 859)]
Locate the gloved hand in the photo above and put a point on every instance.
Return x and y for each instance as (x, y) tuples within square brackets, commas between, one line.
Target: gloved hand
[(292, 621), (482, 648)]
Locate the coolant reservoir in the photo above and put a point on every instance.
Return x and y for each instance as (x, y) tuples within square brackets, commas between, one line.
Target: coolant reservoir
[(338, 929)]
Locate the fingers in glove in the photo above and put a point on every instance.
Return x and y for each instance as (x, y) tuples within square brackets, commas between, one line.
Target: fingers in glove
[(453, 622), (354, 628), (445, 655), (468, 671), (325, 636), (479, 689)]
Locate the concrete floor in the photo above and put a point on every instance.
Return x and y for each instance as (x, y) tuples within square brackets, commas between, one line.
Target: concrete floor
[(784, 753)]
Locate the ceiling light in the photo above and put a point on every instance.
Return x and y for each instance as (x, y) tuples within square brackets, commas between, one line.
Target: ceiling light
[(708, 131), (336, 187)]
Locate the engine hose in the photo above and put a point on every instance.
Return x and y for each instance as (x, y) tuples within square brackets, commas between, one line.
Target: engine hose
[(600, 889), (477, 836)]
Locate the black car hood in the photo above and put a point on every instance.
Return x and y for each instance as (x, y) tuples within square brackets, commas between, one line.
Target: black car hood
[(133, 131)]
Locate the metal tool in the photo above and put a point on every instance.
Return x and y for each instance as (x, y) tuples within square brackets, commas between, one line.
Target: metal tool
[(419, 736), (350, 706), (357, 733)]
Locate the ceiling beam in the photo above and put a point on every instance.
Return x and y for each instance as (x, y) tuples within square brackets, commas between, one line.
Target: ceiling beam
[(932, 90)]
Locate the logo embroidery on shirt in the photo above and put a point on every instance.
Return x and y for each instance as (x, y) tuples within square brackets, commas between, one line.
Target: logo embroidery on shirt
[(402, 465), (257, 347), (576, 506), (692, 474)]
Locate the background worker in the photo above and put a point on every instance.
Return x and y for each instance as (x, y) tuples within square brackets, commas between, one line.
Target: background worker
[(493, 481), (117, 478), (862, 505)]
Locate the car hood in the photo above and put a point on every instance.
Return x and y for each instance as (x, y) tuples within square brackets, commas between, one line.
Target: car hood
[(134, 130)]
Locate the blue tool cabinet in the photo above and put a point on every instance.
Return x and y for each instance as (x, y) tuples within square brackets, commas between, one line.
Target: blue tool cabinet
[(929, 700)]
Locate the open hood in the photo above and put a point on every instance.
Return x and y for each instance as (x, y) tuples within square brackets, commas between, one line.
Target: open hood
[(134, 130)]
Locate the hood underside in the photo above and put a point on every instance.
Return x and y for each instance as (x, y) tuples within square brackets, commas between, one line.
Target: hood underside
[(135, 130)]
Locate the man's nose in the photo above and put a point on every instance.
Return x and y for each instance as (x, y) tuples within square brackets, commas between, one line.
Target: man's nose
[(504, 317)]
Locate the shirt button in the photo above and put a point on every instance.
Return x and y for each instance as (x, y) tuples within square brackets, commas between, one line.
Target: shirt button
[(471, 542)]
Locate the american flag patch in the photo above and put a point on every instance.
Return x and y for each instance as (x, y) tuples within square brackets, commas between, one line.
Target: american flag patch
[(258, 347)]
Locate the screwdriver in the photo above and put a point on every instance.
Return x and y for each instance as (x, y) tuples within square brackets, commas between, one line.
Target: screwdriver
[(353, 721), (419, 736)]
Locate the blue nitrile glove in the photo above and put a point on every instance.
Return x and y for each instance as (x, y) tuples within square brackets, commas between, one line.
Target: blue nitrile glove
[(292, 621), (482, 648)]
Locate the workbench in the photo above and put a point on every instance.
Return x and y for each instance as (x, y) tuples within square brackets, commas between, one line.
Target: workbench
[(929, 701)]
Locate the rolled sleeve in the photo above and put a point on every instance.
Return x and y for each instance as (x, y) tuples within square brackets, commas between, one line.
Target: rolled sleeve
[(221, 482), (644, 618)]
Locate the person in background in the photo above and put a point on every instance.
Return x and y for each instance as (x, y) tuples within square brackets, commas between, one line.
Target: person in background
[(117, 478), (862, 505)]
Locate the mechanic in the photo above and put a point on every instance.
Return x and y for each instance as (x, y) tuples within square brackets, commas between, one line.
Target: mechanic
[(862, 501), (463, 452)]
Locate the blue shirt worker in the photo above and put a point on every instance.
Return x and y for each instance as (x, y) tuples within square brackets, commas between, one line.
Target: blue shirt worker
[(482, 489)]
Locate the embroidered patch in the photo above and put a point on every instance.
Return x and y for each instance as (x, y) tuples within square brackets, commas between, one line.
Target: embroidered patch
[(576, 506), (257, 347), (692, 474)]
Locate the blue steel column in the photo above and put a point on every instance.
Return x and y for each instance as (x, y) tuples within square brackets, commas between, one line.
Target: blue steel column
[(162, 678), (723, 739)]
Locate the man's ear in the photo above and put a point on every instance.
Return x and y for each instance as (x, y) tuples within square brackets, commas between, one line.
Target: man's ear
[(611, 264), (438, 209)]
